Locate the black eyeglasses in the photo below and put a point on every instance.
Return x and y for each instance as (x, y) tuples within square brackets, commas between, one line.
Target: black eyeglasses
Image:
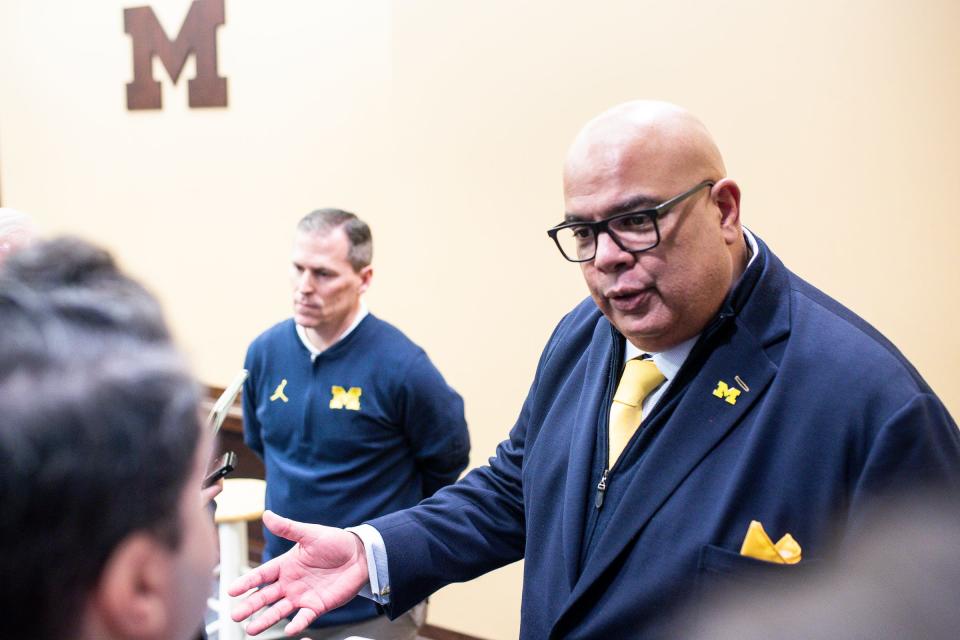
[(634, 231)]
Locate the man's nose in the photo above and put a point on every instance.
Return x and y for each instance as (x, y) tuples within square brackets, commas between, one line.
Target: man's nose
[(610, 257), (305, 282)]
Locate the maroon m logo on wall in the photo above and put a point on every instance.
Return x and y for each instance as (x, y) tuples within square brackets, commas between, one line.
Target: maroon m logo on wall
[(198, 36)]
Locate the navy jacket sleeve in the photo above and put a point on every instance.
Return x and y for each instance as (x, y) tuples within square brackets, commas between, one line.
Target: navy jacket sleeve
[(435, 425), (915, 451), (467, 529)]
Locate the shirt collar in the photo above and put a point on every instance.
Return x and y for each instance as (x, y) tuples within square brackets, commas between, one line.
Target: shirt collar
[(751, 246), (362, 313), (670, 361)]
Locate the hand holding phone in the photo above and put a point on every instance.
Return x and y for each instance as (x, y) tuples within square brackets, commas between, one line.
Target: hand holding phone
[(226, 464)]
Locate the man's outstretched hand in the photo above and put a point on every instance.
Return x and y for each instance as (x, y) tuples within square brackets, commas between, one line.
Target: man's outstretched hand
[(325, 569)]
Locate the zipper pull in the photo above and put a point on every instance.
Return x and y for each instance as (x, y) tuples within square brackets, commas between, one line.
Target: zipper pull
[(601, 489)]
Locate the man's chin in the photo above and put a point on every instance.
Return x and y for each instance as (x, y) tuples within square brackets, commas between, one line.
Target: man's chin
[(307, 322), (642, 331)]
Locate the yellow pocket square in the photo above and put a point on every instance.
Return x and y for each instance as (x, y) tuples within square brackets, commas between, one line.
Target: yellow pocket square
[(757, 544)]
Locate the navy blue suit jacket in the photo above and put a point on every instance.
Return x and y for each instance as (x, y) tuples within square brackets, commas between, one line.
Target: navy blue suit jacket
[(834, 416)]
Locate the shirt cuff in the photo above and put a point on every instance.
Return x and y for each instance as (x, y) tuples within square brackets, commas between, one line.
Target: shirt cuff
[(378, 588)]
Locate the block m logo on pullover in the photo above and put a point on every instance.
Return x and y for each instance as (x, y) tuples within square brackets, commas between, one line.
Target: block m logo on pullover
[(345, 399)]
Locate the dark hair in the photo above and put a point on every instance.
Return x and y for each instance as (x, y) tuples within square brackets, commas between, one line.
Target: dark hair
[(358, 233), (83, 284), (98, 432)]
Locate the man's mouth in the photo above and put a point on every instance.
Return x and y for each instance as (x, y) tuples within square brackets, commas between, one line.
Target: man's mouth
[(305, 306), (629, 299)]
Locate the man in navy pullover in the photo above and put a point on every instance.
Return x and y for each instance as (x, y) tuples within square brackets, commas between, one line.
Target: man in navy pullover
[(351, 418)]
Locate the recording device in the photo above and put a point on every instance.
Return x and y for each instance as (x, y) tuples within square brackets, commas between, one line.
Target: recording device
[(222, 406), (224, 465)]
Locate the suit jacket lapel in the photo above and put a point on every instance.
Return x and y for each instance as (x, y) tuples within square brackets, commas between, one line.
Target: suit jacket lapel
[(699, 422), (582, 444)]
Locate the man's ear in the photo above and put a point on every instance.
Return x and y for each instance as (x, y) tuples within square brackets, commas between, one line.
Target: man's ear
[(366, 275), (726, 194), (132, 597)]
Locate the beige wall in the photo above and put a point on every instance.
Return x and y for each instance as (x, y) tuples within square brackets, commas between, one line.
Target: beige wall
[(444, 124)]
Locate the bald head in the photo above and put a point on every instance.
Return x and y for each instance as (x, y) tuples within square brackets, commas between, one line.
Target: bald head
[(672, 145), (630, 159)]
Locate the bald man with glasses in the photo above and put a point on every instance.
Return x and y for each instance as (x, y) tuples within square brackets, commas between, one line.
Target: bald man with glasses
[(705, 418)]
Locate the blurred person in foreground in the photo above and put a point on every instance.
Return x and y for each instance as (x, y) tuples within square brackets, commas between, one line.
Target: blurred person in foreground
[(103, 531), (83, 283), (705, 414)]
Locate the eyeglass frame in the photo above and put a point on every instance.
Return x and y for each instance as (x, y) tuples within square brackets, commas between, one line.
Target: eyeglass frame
[(598, 226)]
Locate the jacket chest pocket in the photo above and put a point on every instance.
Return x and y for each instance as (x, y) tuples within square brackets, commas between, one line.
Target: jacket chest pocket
[(720, 569)]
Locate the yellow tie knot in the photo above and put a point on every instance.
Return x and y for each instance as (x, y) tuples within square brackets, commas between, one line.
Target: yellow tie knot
[(639, 378)]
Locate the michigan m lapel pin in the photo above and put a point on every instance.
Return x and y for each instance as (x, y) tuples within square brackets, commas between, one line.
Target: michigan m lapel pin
[(726, 393)]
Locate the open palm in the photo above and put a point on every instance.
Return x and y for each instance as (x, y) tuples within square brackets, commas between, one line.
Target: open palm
[(325, 569)]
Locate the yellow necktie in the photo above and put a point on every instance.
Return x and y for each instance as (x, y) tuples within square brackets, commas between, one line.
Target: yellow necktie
[(639, 378)]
